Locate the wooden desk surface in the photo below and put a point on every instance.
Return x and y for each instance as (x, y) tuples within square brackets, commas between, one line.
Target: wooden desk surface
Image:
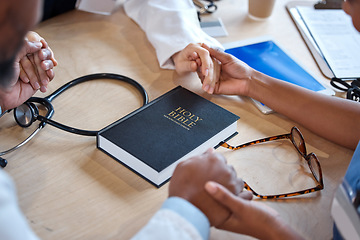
[(68, 189)]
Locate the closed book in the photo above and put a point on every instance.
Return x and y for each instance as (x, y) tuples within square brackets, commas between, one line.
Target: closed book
[(152, 140)]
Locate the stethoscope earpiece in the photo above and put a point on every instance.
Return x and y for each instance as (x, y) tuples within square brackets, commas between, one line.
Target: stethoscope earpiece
[(26, 114)]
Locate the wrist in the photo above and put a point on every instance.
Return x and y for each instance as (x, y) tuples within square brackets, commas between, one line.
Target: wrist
[(174, 57), (253, 83), (259, 85)]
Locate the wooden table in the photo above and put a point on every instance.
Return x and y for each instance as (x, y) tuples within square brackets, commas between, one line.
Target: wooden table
[(68, 189)]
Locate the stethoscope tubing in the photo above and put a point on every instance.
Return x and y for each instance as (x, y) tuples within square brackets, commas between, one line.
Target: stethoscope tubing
[(46, 101), (98, 76), (65, 127)]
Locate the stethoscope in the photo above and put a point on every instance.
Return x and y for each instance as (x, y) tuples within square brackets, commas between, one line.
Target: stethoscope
[(352, 90), (211, 7), (28, 112)]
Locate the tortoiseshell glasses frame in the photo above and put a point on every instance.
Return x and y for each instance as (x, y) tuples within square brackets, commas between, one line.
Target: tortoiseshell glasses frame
[(298, 141)]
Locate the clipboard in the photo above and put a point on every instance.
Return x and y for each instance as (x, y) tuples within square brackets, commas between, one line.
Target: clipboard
[(321, 52)]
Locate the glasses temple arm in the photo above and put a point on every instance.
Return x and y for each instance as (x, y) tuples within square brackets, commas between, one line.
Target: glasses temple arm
[(273, 138)]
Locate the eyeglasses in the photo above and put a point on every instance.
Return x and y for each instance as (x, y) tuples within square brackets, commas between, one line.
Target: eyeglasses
[(298, 141)]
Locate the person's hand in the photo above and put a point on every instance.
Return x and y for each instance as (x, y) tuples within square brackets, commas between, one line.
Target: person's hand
[(20, 88), (235, 75), (250, 217), (189, 179), (15, 94), (196, 58), (36, 67)]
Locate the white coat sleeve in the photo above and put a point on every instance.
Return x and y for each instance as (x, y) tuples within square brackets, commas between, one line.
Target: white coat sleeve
[(177, 220), (170, 25), (13, 225)]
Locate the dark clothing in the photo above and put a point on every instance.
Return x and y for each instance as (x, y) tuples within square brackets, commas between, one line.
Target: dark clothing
[(53, 8)]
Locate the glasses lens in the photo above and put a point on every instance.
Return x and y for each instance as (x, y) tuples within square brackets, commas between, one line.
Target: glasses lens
[(314, 166), (298, 141)]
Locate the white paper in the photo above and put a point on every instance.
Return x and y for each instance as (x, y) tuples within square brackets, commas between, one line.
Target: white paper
[(337, 39), (105, 7)]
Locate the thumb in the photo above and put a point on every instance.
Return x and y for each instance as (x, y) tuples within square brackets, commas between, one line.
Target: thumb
[(220, 55), (186, 66), (28, 48), (224, 196), (32, 47)]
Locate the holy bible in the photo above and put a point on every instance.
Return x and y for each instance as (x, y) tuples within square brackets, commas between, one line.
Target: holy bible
[(153, 139)]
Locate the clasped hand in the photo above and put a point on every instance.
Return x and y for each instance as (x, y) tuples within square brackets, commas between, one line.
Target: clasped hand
[(220, 73), (189, 179), (212, 186), (33, 70)]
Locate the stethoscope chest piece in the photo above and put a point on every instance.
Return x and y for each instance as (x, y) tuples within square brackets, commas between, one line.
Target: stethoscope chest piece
[(26, 114)]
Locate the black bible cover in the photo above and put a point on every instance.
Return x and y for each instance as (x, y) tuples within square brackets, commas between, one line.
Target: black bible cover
[(152, 140)]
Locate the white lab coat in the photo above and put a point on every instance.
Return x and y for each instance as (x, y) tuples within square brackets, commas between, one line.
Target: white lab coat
[(170, 25), (165, 225), (13, 225)]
